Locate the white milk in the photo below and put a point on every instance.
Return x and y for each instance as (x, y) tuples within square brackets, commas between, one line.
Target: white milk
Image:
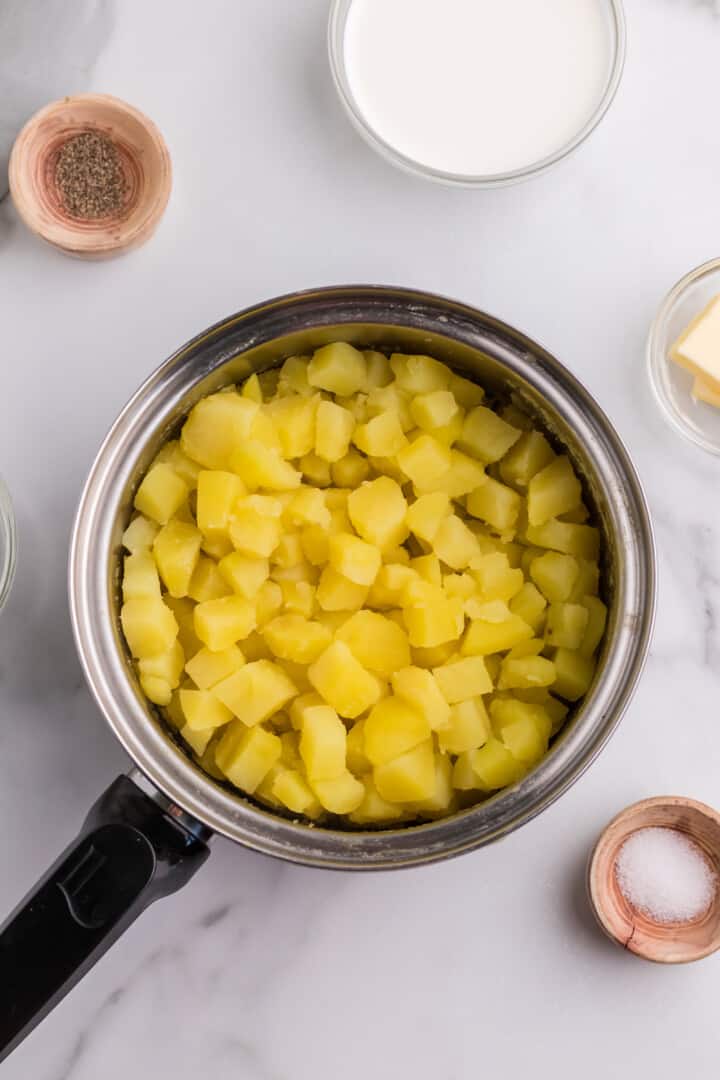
[(477, 87)]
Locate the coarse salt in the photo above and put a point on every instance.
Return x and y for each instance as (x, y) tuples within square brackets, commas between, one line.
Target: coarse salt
[(665, 875)]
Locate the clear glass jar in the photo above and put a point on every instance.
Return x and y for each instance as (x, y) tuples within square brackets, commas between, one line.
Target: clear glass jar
[(672, 384), (8, 543), (339, 11)]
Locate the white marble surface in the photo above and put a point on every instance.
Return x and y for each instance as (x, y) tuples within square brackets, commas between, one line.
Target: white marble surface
[(490, 963)]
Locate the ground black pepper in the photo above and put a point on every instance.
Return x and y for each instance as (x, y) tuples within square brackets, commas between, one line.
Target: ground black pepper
[(89, 176)]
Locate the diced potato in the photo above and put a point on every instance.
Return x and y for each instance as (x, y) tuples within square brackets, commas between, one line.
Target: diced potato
[(566, 625), (221, 623), (555, 575), (342, 795), (161, 494), (256, 691), (434, 620), (307, 506), (433, 656), (577, 516), (261, 466), (292, 637), (495, 767), (469, 727), (292, 790), (252, 390), (573, 674), (449, 433), (526, 648), (207, 668), (526, 671), (354, 558), (381, 436), (316, 470), (215, 427), (322, 743), (207, 583), (253, 533), (184, 610), (443, 798), (350, 470), (496, 504), (156, 689), (246, 755), (243, 573), (197, 740), (388, 589), (338, 368), (335, 427), (454, 544), (289, 551), (343, 682), (513, 414), (557, 711), (377, 511), (298, 597), (294, 420), (495, 630), (202, 710), (525, 741), (434, 409), (357, 760), (424, 462), (149, 626), (139, 534), (511, 710), (419, 374), (336, 593), (531, 453), (374, 809), (176, 550), (391, 399), (291, 379), (587, 582), (378, 643), (217, 494), (218, 547), (462, 585), (426, 514), (486, 436), (462, 679), (595, 627), (466, 393), (464, 476), (409, 777), (167, 666), (140, 575), (496, 579), (553, 491), (392, 728), (464, 777), (529, 604), (582, 541), (268, 602)]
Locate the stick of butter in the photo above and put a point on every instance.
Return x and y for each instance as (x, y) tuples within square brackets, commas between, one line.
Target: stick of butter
[(703, 391), (698, 349)]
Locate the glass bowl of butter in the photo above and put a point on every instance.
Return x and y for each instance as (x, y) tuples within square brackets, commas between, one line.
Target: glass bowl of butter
[(683, 356)]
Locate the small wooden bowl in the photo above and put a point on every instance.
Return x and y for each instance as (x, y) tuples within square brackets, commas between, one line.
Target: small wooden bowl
[(665, 943), (144, 159)]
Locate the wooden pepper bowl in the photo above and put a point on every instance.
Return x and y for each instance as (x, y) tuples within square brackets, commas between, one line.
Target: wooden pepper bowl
[(665, 943), (144, 159)]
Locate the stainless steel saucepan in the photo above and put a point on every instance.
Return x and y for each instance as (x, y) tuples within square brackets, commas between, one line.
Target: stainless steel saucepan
[(149, 832)]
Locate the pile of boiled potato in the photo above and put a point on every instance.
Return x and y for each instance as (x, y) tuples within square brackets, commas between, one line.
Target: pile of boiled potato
[(356, 590)]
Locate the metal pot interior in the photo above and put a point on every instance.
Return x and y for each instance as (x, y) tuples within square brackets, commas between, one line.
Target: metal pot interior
[(508, 365)]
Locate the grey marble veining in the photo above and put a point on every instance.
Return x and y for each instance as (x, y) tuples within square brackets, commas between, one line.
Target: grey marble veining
[(491, 963)]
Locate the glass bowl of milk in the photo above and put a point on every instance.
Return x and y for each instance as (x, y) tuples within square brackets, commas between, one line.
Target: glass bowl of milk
[(476, 93)]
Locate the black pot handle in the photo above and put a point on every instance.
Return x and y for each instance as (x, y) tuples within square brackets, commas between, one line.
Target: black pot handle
[(130, 852)]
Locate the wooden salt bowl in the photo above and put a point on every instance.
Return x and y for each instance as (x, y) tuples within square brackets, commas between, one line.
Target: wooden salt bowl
[(668, 943), (144, 159)]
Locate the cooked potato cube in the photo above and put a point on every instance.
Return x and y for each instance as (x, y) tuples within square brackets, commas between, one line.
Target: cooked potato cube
[(454, 544), (525, 672), (419, 374), (573, 674), (342, 795), (315, 470), (553, 491), (428, 568), (555, 575), (350, 470), (322, 743), (336, 593), (207, 668), (496, 504), (495, 578), (377, 642), (526, 648), (335, 426), (307, 506), (443, 798), (161, 494), (357, 760), (464, 476), (149, 626), (292, 378), (156, 689), (167, 666), (381, 436), (197, 740), (494, 630), (139, 534), (294, 420), (525, 741), (292, 637), (435, 619), (566, 625), (388, 589), (221, 623), (595, 627), (374, 809), (462, 679), (486, 436), (582, 541), (246, 755), (140, 575), (243, 573), (176, 550), (338, 368), (202, 710), (495, 767), (409, 777), (215, 427), (298, 597), (291, 789), (463, 774), (424, 461), (207, 583), (434, 409), (268, 602), (217, 494), (427, 513), (377, 511), (392, 728), (466, 393), (354, 558), (256, 691), (343, 682), (261, 466), (587, 582), (529, 604), (253, 533), (462, 585), (531, 453), (469, 727)]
